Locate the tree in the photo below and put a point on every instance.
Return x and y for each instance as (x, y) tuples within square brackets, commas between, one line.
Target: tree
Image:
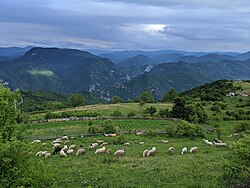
[(147, 97), (75, 100), (116, 99), (170, 96), (180, 109), (8, 112), (151, 110)]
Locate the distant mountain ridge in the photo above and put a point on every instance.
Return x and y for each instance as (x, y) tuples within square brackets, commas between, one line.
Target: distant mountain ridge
[(71, 71)]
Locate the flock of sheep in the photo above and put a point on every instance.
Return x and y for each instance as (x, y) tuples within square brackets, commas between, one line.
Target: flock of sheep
[(59, 146)]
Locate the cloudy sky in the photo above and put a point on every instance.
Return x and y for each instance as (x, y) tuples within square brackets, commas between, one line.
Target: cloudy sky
[(194, 25)]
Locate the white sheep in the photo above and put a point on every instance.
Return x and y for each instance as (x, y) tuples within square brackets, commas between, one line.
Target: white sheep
[(101, 150), (44, 144), (80, 151), (47, 155), (184, 150), (119, 152), (164, 141), (145, 153), (99, 141), (193, 150), (127, 144), (56, 145), (141, 143), (221, 144), (63, 154), (72, 146), (207, 142), (108, 151), (171, 150), (93, 145), (70, 151), (151, 152), (110, 134), (39, 153), (36, 141), (65, 138), (58, 140), (67, 141), (104, 144)]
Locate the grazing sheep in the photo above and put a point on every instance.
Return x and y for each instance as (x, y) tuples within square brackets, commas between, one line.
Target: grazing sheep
[(184, 150), (127, 144), (36, 141), (72, 146), (67, 141), (62, 153), (47, 155), (56, 145), (145, 153), (44, 144), (119, 152), (57, 150), (141, 143), (216, 140), (58, 140), (99, 141), (110, 134), (101, 150), (70, 151), (171, 150), (108, 151), (207, 142), (139, 133), (65, 147), (220, 144), (80, 151), (93, 145), (151, 152), (164, 141), (39, 153), (104, 144), (65, 138), (193, 150)]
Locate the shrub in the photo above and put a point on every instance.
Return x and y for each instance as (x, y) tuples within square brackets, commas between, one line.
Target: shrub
[(151, 110), (93, 129), (242, 127), (164, 113), (185, 129), (119, 140), (131, 114), (108, 127), (151, 133), (116, 113)]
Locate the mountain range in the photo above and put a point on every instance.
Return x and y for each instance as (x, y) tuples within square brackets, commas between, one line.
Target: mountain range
[(126, 73)]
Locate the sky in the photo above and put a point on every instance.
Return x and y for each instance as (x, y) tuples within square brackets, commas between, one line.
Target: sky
[(192, 25)]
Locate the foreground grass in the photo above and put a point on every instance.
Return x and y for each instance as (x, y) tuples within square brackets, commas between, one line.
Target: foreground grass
[(197, 170)]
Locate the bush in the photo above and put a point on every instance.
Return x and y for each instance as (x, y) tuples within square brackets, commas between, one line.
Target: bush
[(164, 113), (116, 113), (108, 127), (119, 140), (151, 133), (93, 129), (131, 114), (151, 110), (185, 129), (170, 131), (243, 127)]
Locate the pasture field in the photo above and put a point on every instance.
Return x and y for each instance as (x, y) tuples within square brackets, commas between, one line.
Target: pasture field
[(109, 109), (202, 169)]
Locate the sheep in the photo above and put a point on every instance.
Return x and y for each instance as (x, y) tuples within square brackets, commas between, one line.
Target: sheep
[(207, 142), (220, 144), (93, 145), (72, 146), (99, 141), (58, 140), (171, 150), (47, 155), (184, 150), (62, 153), (56, 150), (108, 151), (44, 144), (141, 143), (145, 153), (119, 152), (101, 150), (127, 144), (65, 138), (70, 151), (216, 140), (80, 151), (36, 141), (104, 144), (65, 147), (56, 145), (164, 141), (67, 141), (151, 152), (41, 153), (110, 134), (139, 133), (193, 150)]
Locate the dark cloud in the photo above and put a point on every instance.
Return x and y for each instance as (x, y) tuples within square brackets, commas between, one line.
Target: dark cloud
[(125, 24)]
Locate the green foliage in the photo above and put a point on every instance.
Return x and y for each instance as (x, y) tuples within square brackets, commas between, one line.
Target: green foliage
[(75, 100), (93, 129), (164, 113), (119, 140), (151, 133), (242, 127), (117, 113), (108, 126), (236, 171), (185, 129), (8, 112), (19, 169), (131, 114), (151, 110), (146, 97), (116, 99), (55, 105), (170, 96)]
